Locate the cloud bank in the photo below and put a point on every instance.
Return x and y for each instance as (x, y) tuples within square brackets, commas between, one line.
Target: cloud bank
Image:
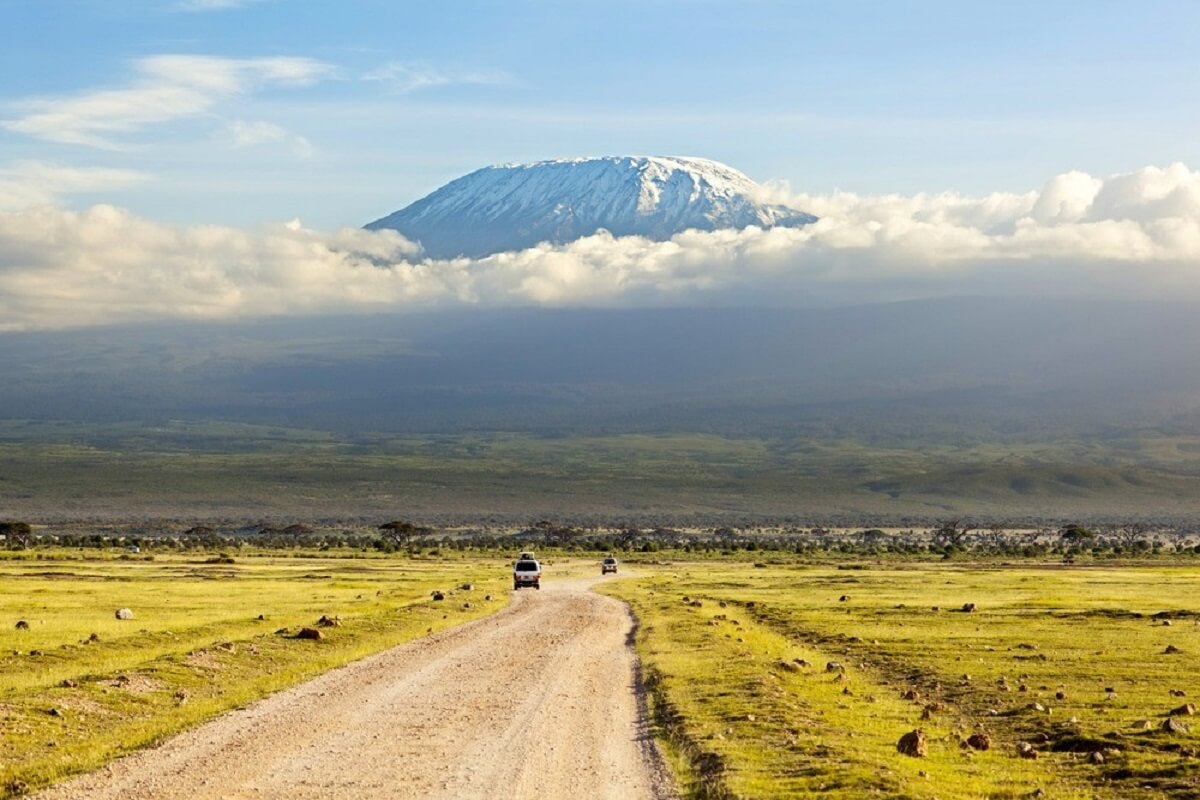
[(1131, 234)]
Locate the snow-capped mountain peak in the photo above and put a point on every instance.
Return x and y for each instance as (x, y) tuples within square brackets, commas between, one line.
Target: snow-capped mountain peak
[(514, 206)]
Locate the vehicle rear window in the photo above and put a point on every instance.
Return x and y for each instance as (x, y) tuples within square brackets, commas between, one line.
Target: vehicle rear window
[(610, 561), (527, 566)]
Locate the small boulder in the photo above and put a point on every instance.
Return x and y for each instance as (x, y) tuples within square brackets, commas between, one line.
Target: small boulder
[(1060, 696), (1026, 750), (1171, 650), (834, 666), (1174, 725), (912, 744), (789, 666), (1096, 757), (1143, 725), (913, 695), (329, 622), (438, 596), (844, 598), (467, 587), (979, 741), (68, 683), (22, 625), (968, 608), (466, 606), (310, 633), (1185, 710), (124, 614), (487, 597)]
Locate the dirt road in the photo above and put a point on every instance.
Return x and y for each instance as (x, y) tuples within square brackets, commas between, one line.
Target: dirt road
[(538, 700)]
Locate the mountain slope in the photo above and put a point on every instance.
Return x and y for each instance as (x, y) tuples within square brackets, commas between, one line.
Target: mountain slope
[(515, 206)]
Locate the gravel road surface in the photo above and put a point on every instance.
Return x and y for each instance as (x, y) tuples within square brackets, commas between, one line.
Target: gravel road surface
[(539, 700)]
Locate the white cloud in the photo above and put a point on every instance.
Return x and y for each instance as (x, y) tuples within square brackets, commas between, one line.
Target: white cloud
[(168, 87), (34, 183), (1137, 233), (243, 133), (404, 77), (214, 5)]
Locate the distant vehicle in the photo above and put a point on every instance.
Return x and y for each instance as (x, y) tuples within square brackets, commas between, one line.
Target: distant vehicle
[(608, 565), (527, 572), (133, 548)]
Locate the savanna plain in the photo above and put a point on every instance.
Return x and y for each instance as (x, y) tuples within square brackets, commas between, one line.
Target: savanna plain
[(790, 676)]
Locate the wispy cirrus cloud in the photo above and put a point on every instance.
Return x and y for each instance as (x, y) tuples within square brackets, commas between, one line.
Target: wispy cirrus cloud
[(214, 5), (166, 88), (37, 183), (257, 133), (404, 77)]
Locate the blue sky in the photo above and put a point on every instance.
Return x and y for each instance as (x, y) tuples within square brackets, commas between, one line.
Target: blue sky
[(339, 112)]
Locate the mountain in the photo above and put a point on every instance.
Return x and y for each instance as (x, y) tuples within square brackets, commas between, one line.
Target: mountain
[(515, 206)]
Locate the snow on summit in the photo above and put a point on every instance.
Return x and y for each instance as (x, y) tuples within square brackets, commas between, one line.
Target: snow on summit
[(515, 206)]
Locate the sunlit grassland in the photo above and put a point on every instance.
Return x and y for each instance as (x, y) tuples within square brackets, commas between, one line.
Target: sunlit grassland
[(196, 645), (741, 724)]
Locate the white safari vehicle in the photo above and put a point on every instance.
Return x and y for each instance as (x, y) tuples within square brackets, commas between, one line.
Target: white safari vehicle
[(527, 572), (609, 564)]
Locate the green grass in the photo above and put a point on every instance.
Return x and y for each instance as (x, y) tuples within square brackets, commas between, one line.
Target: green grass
[(741, 725), (177, 469), (196, 646)]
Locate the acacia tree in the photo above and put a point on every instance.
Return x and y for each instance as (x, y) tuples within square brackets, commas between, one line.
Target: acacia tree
[(953, 532), (1130, 534), (17, 534), (400, 533)]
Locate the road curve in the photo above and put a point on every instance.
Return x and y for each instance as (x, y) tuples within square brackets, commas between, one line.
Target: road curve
[(537, 700)]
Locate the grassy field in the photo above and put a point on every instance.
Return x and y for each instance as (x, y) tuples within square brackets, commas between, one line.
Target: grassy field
[(175, 470), (79, 687), (737, 655)]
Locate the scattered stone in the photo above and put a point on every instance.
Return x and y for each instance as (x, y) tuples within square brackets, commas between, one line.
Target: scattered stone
[(124, 614), (1171, 649), (1096, 757), (467, 587), (487, 597), (95, 637), (1166, 623), (16, 788), (1185, 710), (1035, 706), (844, 598), (438, 596), (1174, 725), (261, 617), (329, 622), (913, 695), (67, 683), (282, 631), (846, 691), (466, 606), (979, 741), (22, 625), (1026, 750), (800, 662), (56, 712), (913, 744), (1060, 695), (36, 653), (834, 666), (1178, 693), (181, 697), (310, 633), (1026, 646), (789, 666), (968, 607), (936, 608), (1143, 725), (723, 604)]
